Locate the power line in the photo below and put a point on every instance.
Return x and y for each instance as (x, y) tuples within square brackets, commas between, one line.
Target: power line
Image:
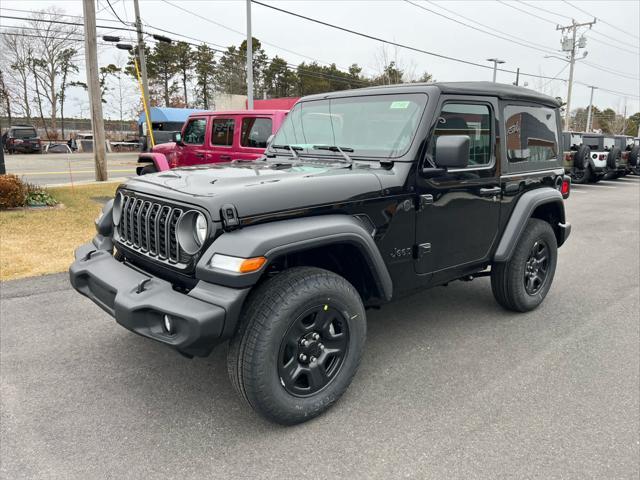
[(600, 67), (396, 44), (599, 18), (242, 33), (564, 16), (114, 12), (527, 45), (545, 47)]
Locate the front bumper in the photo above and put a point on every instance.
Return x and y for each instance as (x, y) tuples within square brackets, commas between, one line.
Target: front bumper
[(139, 302)]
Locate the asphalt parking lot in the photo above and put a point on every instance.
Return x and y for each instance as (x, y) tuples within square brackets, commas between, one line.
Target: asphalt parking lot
[(450, 387), (61, 168)]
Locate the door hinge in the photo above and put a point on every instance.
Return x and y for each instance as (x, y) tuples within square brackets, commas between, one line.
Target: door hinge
[(423, 249), (425, 200), (229, 216)]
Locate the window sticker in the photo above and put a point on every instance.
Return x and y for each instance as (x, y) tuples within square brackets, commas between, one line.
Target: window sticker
[(402, 105)]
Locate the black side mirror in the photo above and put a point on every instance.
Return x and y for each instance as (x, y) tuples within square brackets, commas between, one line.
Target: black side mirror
[(177, 138), (452, 151)]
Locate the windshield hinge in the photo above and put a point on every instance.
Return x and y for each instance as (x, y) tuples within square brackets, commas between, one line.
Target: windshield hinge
[(229, 215)]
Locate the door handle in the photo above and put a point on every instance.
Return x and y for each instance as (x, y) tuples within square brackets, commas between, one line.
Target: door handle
[(488, 192), (225, 157), (199, 155)]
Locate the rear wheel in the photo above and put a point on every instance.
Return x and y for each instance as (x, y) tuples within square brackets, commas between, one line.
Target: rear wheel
[(298, 345), (522, 283)]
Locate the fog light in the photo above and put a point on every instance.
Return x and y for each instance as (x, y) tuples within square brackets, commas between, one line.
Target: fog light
[(168, 324)]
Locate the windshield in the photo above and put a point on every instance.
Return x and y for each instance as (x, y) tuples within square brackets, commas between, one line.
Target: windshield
[(374, 126)]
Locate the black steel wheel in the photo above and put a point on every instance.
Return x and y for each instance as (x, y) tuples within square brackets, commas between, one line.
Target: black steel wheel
[(537, 265), (521, 283), (298, 345), (313, 349)]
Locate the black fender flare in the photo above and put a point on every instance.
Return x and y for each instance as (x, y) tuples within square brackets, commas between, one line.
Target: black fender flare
[(525, 206), (274, 239)]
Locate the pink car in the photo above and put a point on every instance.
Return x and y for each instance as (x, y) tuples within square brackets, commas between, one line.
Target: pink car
[(212, 137)]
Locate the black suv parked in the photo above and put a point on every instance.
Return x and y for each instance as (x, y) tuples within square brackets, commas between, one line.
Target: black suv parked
[(363, 196), (21, 138)]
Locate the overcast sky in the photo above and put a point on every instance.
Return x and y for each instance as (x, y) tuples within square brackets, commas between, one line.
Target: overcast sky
[(612, 45)]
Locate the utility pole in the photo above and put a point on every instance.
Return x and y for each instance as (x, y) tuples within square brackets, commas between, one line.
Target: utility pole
[(590, 111), (571, 48), (495, 61), (93, 84), (249, 59), (143, 67)]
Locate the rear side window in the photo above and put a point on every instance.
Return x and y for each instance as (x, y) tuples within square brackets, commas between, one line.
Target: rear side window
[(532, 134), (222, 132), (473, 120), (255, 132), (194, 131)]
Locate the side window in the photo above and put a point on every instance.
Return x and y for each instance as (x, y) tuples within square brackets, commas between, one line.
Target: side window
[(473, 120), (532, 134), (222, 132), (194, 131), (255, 132)]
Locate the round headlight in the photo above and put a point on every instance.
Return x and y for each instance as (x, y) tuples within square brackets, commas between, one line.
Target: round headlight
[(117, 209), (201, 228), (192, 231)]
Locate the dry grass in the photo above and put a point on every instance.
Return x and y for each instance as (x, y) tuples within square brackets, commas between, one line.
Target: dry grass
[(35, 242)]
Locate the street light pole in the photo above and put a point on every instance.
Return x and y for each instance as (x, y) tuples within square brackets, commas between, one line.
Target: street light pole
[(95, 94), (590, 111), (249, 59), (495, 61), (143, 65)]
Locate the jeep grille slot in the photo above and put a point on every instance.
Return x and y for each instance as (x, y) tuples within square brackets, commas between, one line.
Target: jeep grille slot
[(152, 229)]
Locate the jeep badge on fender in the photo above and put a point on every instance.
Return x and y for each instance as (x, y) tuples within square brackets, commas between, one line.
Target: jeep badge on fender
[(362, 196)]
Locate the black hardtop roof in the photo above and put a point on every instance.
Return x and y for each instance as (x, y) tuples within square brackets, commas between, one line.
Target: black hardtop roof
[(22, 126), (593, 135), (500, 90)]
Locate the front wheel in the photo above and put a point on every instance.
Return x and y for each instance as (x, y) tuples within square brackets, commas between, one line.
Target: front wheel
[(299, 344), (150, 168), (522, 283)]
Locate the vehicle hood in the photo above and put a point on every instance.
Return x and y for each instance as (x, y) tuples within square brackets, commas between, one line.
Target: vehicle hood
[(164, 147), (261, 187)]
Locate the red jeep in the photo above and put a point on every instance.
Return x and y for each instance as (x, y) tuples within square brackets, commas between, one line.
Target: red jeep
[(211, 137)]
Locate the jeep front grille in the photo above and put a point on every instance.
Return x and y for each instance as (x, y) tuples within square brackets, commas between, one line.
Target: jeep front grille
[(151, 228)]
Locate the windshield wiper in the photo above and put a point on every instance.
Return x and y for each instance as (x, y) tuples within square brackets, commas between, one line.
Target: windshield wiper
[(291, 148), (335, 148)]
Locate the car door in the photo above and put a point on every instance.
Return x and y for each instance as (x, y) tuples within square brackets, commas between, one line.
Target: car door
[(223, 133), (193, 148), (458, 216), (254, 133)]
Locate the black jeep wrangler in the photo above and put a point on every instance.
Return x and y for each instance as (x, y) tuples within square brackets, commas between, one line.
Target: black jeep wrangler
[(361, 197)]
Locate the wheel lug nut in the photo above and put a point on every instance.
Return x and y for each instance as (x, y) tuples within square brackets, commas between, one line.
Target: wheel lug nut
[(316, 336), (322, 347), (303, 357), (312, 359)]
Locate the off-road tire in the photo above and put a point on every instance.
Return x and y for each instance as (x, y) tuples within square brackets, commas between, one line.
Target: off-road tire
[(633, 155), (507, 278), (268, 314), (614, 154), (151, 168)]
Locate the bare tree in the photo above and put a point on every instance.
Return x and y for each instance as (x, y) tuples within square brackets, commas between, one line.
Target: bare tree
[(17, 52), (5, 98), (50, 47)]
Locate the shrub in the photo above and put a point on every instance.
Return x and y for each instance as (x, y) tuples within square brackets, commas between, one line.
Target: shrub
[(39, 197), (13, 192)]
